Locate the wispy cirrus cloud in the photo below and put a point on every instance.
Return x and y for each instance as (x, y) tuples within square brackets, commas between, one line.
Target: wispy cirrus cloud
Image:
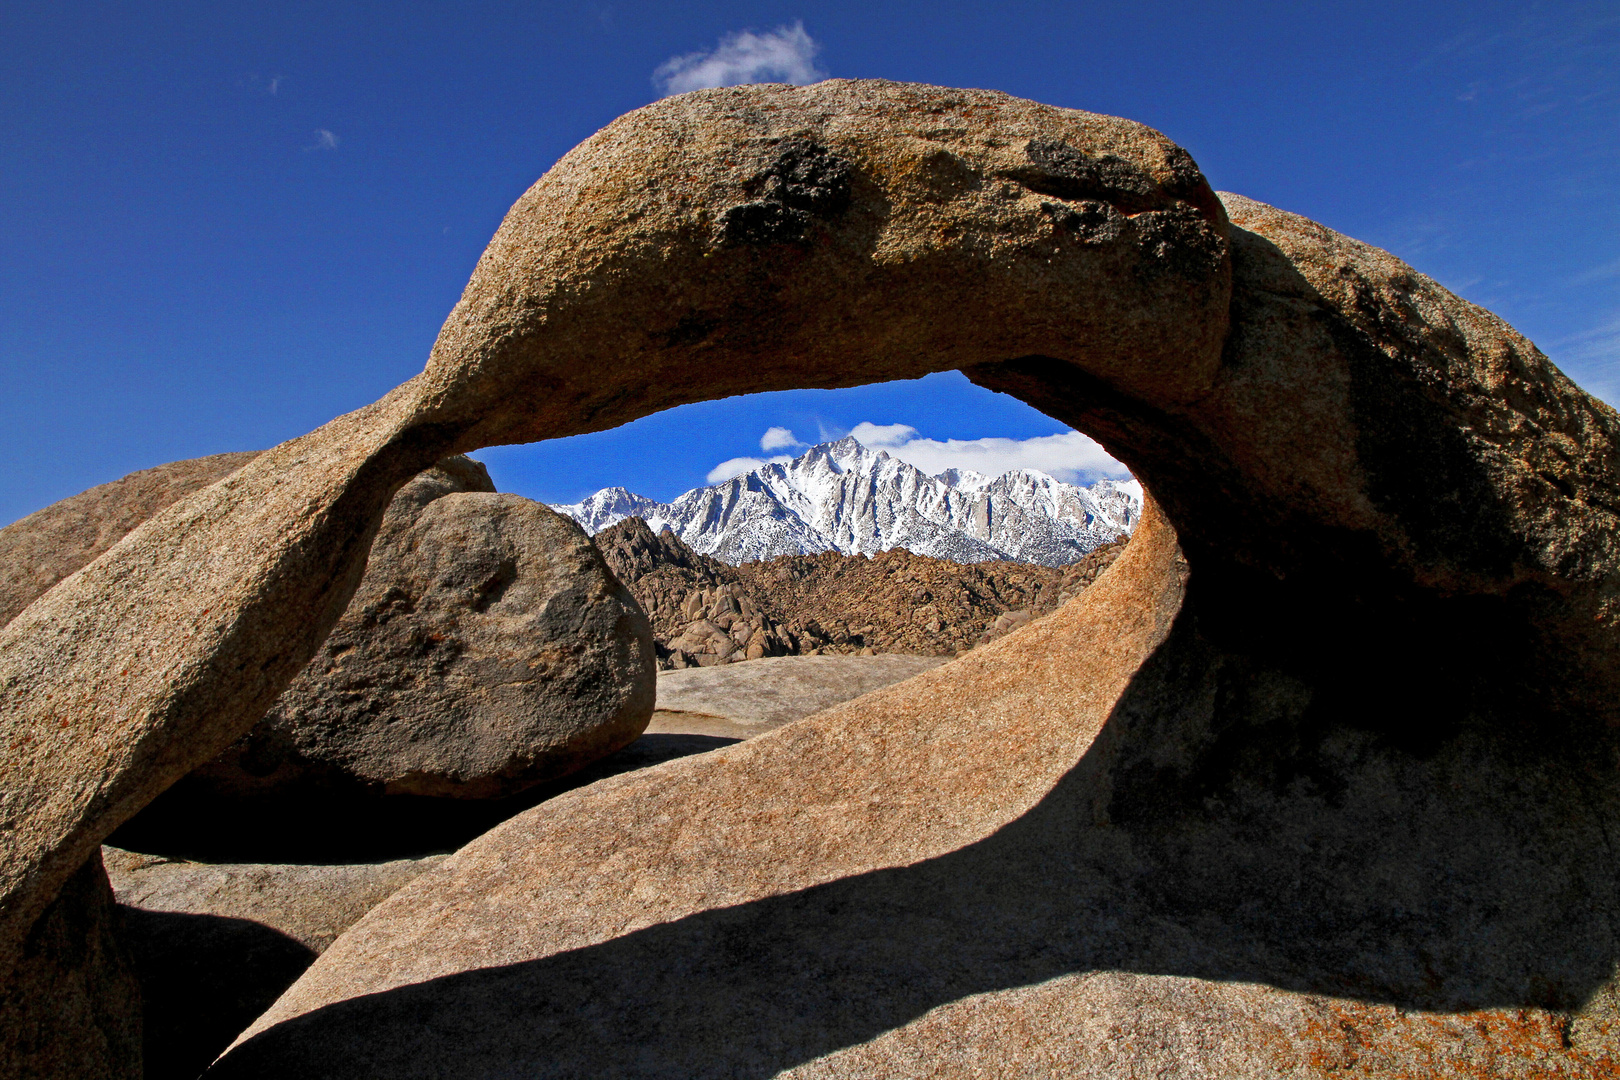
[(786, 54), (1597, 273), (1592, 358), (324, 140)]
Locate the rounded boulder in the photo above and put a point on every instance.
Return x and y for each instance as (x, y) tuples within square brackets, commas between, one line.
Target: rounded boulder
[(488, 648)]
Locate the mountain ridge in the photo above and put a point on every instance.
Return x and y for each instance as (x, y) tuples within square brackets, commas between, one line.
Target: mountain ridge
[(843, 496)]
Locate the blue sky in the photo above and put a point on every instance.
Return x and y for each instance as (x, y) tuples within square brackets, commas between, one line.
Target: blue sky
[(223, 224)]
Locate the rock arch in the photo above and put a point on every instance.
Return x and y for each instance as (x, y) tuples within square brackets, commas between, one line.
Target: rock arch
[(1364, 472)]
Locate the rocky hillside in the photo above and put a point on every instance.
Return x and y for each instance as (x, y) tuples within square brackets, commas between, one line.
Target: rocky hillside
[(706, 612), (845, 497)]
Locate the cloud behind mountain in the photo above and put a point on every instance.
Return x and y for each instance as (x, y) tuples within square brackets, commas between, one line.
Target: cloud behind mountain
[(849, 497), (1069, 456)]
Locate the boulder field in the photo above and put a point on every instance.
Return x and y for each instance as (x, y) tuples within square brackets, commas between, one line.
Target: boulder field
[(1317, 778), (705, 612)]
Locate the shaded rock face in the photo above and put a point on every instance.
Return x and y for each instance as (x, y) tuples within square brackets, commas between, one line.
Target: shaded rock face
[(1198, 785), (214, 945), (487, 649), (71, 1005), (1374, 912), (48, 545), (1391, 466)]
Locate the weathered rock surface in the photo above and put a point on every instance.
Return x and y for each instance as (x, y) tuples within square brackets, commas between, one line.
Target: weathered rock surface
[(750, 699), (48, 545), (834, 796), (311, 904), (939, 219), (1331, 768), (214, 945), (926, 881), (487, 649)]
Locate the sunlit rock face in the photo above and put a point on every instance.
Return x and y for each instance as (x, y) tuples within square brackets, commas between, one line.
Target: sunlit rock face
[(48, 545), (1282, 791)]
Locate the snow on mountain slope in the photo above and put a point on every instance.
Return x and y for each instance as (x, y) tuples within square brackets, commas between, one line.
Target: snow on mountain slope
[(842, 496)]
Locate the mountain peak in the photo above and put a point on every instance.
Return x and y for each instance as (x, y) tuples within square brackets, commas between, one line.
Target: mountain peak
[(963, 479), (845, 496)]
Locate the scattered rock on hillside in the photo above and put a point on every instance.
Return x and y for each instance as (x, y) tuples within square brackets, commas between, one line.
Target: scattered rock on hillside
[(700, 613), (705, 612), (46, 546), (899, 602), (487, 649)]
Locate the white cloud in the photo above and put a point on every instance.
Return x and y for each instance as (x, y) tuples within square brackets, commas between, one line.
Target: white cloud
[(1592, 358), (1070, 456), (786, 54), (883, 436), (324, 140), (736, 466), (732, 467), (778, 438)]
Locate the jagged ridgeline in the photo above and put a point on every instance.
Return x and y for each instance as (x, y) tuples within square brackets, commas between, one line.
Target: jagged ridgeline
[(845, 497)]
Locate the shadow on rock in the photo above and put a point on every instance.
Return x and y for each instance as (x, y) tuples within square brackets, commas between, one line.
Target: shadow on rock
[(1468, 874), (190, 822), (204, 979)]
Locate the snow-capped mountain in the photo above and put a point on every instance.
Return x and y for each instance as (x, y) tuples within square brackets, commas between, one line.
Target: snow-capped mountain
[(842, 496)]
